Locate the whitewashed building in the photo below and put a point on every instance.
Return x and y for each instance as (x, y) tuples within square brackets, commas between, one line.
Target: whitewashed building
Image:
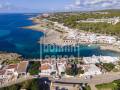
[(113, 20), (108, 59), (98, 59), (92, 70), (91, 60), (106, 39), (52, 67)]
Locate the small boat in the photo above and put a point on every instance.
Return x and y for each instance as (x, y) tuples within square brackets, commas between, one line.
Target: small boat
[(89, 45)]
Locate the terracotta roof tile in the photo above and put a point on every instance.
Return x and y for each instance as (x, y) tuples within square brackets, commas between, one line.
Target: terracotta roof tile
[(45, 67)]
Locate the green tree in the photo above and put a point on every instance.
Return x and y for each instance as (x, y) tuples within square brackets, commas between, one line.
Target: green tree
[(108, 66)]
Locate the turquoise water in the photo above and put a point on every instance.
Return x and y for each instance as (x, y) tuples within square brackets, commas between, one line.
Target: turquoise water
[(13, 38), (4, 33)]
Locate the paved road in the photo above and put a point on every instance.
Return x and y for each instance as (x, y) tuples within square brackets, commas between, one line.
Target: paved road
[(105, 78), (92, 86), (65, 86)]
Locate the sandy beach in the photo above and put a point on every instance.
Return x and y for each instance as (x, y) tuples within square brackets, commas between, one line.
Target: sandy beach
[(36, 28), (51, 36)]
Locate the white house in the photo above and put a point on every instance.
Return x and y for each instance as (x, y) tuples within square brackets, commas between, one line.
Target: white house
[(6, 76), (13, 69), (46, 69), (2, 74), (92, 70), (91, 60), (108, 59), (106, 39), (98, 59), (117, 43), (61, 68), (52, 67)]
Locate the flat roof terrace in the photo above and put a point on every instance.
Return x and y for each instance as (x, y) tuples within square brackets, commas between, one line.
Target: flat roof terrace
[(22, 67)]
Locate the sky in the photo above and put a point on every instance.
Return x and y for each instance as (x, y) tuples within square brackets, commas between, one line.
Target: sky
[(56, 5)]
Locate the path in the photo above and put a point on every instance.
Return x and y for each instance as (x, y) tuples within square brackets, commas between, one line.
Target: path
[(104, 78), (92, 86)]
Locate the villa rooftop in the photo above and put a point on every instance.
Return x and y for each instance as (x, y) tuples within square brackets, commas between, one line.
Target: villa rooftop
[(12, 66), (2, 72), (45, 67), (22, 66)]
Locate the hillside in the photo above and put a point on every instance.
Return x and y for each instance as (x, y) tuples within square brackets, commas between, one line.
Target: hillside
[(70, 20)]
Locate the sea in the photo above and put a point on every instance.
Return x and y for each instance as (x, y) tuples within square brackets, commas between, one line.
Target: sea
[(16, 39)]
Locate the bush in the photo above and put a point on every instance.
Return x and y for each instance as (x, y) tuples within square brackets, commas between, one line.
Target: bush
[(29, 85), (115, 85), (108, 66), (74, 70), (87, 88), (34, 68)]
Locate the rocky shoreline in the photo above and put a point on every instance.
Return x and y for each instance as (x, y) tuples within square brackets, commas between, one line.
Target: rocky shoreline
[(53, 36), (110, 48), (9, 56)]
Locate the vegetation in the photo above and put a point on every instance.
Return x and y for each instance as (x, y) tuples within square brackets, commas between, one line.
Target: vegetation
[(74, 70), (115, 85), (69, 19), (34, 67), (76, 61), (7, 62), (33, 84), (108, 66), (87, 88), (117, 67)]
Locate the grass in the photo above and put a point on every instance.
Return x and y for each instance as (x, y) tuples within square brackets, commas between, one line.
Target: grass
[(87, 88), (7, 62), (108, 66), (105, 86), (115, 85)]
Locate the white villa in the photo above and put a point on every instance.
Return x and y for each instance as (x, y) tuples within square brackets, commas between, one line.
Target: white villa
[(46, 69), (74, 37), (86, 38), (117, 43), (8, 73), (50, 67), (108, 59), (106, 39), (91, 60), (98, 59), (91, 70), (12, 71)]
